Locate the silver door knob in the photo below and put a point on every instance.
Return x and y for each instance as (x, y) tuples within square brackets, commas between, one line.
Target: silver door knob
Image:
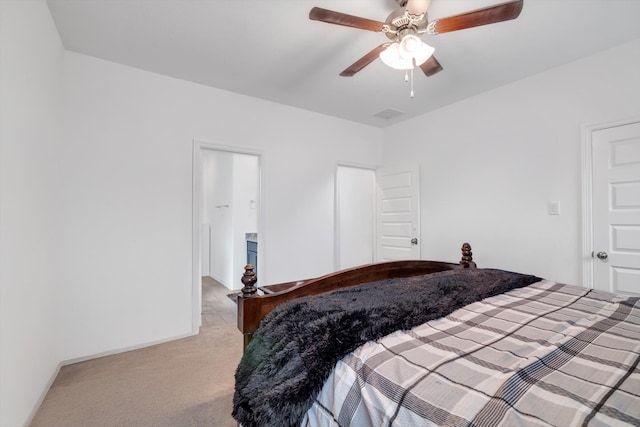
[(414, 241), (602, 255)]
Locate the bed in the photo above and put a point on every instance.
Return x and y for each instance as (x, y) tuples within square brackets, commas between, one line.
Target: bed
[(425, 343)]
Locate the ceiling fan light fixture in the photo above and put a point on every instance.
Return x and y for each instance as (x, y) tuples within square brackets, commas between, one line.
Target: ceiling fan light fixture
[(408, 46), (411, 47), (409, 52), (391, 57)]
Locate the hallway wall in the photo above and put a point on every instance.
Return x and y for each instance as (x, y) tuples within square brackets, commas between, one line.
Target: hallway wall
[(31, 79)]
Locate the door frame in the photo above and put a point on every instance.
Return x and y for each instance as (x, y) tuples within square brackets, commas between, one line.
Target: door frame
[(587, 193), (196, 255)]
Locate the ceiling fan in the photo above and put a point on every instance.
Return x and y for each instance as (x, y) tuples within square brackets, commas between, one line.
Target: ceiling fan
[(405, 25)]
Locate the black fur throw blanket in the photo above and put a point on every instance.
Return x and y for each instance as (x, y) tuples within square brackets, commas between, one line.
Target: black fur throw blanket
[(299, 343)]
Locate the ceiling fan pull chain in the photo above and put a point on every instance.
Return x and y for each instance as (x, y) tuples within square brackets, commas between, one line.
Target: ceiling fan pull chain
[(411, 83)]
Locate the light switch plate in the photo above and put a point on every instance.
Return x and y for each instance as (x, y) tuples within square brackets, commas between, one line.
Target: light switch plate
[(553, 208)]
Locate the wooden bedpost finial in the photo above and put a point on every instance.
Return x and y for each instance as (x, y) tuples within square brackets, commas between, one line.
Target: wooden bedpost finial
[(467, 255), (249, 280)]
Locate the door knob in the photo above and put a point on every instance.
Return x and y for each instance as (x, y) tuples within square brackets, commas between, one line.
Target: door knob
[(414, 241), (602, 255)]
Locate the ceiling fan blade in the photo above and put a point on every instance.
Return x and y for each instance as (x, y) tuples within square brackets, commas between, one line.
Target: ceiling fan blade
[(475, 18), (364, 61), (331, 17), (431, 66), (417, 7)]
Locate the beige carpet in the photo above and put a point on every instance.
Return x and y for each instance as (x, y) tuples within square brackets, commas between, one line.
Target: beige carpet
[(187, 382)]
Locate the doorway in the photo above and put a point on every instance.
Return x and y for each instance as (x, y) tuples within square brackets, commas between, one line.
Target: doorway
[(611, 211), (354, 216), (377, 215), (226, 212)]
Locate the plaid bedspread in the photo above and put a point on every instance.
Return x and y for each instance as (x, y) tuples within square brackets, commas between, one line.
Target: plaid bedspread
[(547, 354)]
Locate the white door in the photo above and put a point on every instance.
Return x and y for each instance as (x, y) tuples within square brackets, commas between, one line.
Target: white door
[(616, 208), (398, 215)]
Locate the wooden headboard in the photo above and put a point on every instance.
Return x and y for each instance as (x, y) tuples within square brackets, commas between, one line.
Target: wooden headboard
[(254, 302)]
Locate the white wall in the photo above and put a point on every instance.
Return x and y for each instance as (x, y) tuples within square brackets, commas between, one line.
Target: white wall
[(490, 164), (31, 67), (127, 172)]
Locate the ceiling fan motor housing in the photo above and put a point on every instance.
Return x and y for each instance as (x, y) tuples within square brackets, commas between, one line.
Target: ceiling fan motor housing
[(400, 24)]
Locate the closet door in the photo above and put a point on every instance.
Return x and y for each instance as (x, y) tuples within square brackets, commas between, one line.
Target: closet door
[(398, 215)]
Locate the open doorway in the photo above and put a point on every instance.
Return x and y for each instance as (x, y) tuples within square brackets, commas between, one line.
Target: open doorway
[(226, 217), (354, 216)]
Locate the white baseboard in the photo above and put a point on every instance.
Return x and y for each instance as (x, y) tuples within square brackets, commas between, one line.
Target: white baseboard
[(36, 406), (53, 377), (125, 349), (219, 280)]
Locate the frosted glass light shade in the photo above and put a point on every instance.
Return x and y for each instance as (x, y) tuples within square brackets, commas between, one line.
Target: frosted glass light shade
[(401, 56), (391, 57)]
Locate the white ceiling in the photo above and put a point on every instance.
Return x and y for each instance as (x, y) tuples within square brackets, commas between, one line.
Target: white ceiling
[(269, 49)]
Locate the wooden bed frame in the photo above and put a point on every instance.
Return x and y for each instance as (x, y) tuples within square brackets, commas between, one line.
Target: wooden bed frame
[(255, 302)]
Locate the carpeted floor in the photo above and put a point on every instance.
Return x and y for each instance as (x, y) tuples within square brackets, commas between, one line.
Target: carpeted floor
[(187, 382)]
